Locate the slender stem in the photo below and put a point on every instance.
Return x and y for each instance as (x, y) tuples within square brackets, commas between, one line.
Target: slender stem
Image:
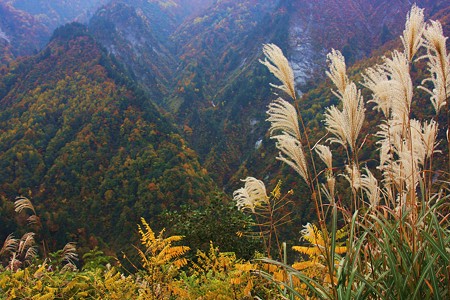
[(318, 203), (263, 236)]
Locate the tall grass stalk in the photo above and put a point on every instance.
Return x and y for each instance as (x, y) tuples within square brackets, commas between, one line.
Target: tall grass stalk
[(398, 242)]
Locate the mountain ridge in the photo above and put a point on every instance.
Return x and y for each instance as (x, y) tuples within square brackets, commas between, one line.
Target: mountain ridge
[(85, 140)]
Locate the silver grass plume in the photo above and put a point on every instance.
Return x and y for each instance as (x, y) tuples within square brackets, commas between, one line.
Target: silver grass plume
[(353, 106), (9, 245), (353, 176), (69, 254), (390, 132), (14, 263), (346, 125), (412, 35), (429, 135), (391, 86), (252, 195), (279, 66), (328, 189), (26, 242), (438, 64), (408, 170), (337, 73), (402, 173), (335, 122), (377, 80), (419, 148), (30, 254), (325, 155), (369, 185), (22, 203), (283, 117), (385, 151), (294, 155), (401, 87), (409, 152), (423, 138)]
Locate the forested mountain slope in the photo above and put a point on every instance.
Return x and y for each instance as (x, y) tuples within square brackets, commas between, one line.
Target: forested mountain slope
[(92, 151)]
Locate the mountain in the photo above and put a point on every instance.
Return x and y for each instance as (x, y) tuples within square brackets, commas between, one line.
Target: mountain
[(202, 66), (317, 97), (89, 148), (222, 90), (132, 38), (26, 26), (137, 33), (218, 84), (20, 33), (148, 80), (355, 27), (55, 13)]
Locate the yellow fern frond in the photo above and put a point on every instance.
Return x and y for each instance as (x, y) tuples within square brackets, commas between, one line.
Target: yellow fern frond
[(174, 238), (340, 250), (147, 234), (341, 233), (306, 265), (171, 252), (180, 262), (144, 259), (246, 267), (160, 251), (310, 251), (312, 234)]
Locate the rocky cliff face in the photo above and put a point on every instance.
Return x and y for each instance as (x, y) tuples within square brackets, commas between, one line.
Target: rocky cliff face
[(130, 35)]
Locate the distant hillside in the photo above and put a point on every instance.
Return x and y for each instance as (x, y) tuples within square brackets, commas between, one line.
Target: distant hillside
[(55, 13), (92, 151), (20, 33), (199, 62), (28, 25)]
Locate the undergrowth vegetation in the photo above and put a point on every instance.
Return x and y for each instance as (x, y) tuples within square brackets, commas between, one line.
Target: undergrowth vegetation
[(388, 239)]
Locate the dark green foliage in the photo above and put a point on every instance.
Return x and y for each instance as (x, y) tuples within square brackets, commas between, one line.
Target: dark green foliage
[(95, 259), (69, 32), (218, 222)]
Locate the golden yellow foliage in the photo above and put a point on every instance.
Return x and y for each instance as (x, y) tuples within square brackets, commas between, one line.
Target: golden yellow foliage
[(314, 266), (216, 275), (161, 261)]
